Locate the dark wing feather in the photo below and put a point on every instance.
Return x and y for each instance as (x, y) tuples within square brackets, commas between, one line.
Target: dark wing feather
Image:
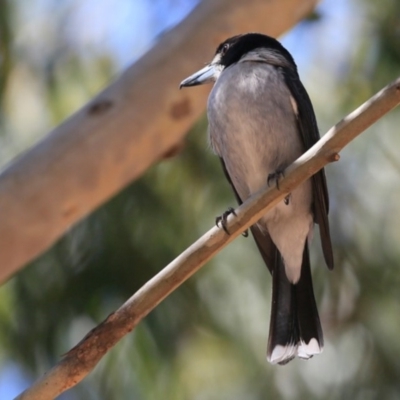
[(239, 200), (264, 243), (309, 132)]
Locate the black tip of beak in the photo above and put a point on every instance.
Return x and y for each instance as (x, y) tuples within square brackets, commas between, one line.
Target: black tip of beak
[(187, 83), (205, 75)]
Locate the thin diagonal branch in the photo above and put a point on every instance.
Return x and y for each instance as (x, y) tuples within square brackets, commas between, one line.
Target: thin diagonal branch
[(79, 361)]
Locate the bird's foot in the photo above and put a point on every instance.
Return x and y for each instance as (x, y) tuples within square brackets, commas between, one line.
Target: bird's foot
[(222, 219), (275, 176), (286, 200)]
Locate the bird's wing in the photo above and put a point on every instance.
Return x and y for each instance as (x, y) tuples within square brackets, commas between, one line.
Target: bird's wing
[(309, 132), (264, 242)]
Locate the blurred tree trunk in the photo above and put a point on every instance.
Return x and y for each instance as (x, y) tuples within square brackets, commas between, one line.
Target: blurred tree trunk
[(136, 121)]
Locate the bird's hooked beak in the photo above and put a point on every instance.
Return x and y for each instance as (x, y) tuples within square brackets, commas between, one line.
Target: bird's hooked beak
[(205, 75)]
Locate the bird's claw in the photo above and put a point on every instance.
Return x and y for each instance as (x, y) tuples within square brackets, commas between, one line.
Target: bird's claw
[(222, 219), (275, 176)]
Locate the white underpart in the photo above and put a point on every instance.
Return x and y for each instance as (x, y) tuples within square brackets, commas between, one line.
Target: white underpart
[(289, 231), (281, 354)]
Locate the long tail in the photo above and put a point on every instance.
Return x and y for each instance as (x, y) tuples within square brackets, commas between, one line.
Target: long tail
[(295, 328)]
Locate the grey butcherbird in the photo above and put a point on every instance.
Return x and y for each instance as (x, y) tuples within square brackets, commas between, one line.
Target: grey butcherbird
[(260, 121)]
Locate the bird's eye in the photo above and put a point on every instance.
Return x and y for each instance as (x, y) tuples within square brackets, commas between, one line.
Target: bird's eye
[(224, 49)]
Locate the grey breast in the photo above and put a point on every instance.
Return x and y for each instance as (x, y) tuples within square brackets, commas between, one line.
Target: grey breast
[(252, 124)]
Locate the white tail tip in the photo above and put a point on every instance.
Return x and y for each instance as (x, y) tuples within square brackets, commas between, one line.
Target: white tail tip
[(283, 354)]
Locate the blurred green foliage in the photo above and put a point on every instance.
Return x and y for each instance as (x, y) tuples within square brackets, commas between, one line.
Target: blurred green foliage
[(208, 339)]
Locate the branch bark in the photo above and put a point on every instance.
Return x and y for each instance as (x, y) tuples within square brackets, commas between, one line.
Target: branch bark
[(136, 121), (79, 361)]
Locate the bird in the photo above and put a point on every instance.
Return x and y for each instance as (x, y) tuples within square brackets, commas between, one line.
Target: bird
[(261, 120)]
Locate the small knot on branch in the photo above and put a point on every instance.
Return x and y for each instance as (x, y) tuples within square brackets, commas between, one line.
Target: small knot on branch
[(334, 157)]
